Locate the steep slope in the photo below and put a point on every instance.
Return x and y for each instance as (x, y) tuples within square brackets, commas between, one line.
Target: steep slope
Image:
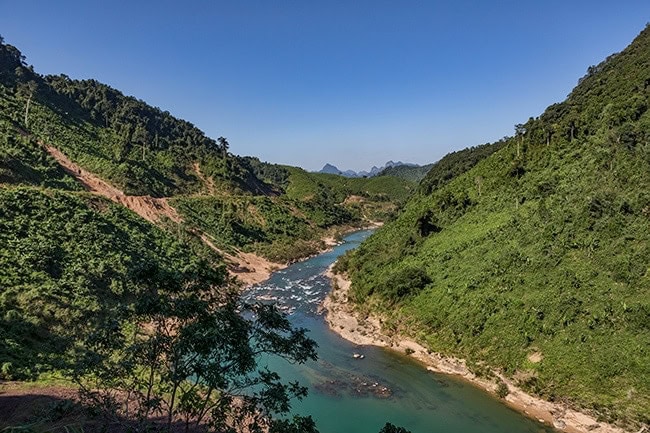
[(434, 175), (535, 261), (95, 293), (165, 168), (408, 172), (150, 208), (70, 263), (456, 163)]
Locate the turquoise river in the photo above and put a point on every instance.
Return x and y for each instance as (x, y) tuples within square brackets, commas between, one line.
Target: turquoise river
[(348, 395)]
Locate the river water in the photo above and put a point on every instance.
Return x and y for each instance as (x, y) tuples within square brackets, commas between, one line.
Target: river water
[(348, 395)]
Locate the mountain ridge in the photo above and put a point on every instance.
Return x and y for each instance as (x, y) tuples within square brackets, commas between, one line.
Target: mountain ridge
[(143, 151), (374, 171)]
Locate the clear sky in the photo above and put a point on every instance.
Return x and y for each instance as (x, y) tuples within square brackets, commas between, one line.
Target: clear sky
[(354, 83)]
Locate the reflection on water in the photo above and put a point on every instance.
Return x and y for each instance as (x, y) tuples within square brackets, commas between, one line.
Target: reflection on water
[(359, 395)]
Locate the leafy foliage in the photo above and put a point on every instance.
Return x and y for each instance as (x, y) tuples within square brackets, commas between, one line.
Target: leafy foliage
[(196, 360), (278, 211), (326, 196), (407, 172), (143, 322), (390, 428), (540, 248), (22, 161), (269, 226), (290, 226), (69, 260), (456, 163)]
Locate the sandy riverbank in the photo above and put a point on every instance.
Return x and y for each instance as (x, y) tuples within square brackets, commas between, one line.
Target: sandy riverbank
[(251, 269), (342, 319)]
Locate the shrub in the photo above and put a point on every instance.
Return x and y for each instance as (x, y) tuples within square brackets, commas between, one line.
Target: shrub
[(405, 282), (502, 390)]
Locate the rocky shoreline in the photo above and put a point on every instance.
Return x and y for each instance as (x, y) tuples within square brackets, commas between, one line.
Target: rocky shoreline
[(345, 321), (251, 269)]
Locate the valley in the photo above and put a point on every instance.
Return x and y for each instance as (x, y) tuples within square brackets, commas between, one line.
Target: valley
[(166, 281)]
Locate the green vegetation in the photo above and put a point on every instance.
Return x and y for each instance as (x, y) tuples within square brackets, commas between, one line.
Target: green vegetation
[(534, 260), (456, 163), (130, 313), (407, 172), (23, 161), (277, 211), (289, 226), (502, 389), (390, 428), (143, 318), (374, 199), (266, 225)]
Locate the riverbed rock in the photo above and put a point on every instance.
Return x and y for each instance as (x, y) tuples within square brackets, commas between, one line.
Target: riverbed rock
[(559, 424)]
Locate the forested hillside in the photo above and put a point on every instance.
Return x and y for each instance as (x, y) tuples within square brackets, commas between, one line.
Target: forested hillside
[(239, 202), (414, 174), (95, 295), (130, 308), (534, 260)]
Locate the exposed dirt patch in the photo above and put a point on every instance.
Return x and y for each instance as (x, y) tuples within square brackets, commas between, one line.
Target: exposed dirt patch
[(32, 407), (150, 208), (20, 404), (207, 181), (249, 268), (353, 199), (30, 396), (535, 357)]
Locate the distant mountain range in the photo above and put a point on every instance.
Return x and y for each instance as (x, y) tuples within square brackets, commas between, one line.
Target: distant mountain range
[(374, 171)]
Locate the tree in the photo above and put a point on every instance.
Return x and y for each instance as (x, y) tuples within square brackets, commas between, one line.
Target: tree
[(28, 90), (187, 351), (223, 146), (478, 180), (390, 428), (520, 131), (296, 425), (140, 135)]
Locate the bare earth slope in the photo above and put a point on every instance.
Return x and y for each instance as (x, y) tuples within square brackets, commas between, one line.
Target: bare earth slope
[(247, 267), (150, 208)]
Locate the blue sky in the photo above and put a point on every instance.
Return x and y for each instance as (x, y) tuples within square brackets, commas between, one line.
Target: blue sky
[(353, 83)]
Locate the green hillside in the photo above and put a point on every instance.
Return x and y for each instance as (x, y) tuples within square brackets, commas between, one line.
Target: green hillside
[(138, 148), (240, 202), (289, 225), (413, 174), (91, 292), (434, 175), (540, 249), (71, 260)]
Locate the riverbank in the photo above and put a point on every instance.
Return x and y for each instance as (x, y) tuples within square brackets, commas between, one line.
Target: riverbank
[(251, 269), (345, 321)]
